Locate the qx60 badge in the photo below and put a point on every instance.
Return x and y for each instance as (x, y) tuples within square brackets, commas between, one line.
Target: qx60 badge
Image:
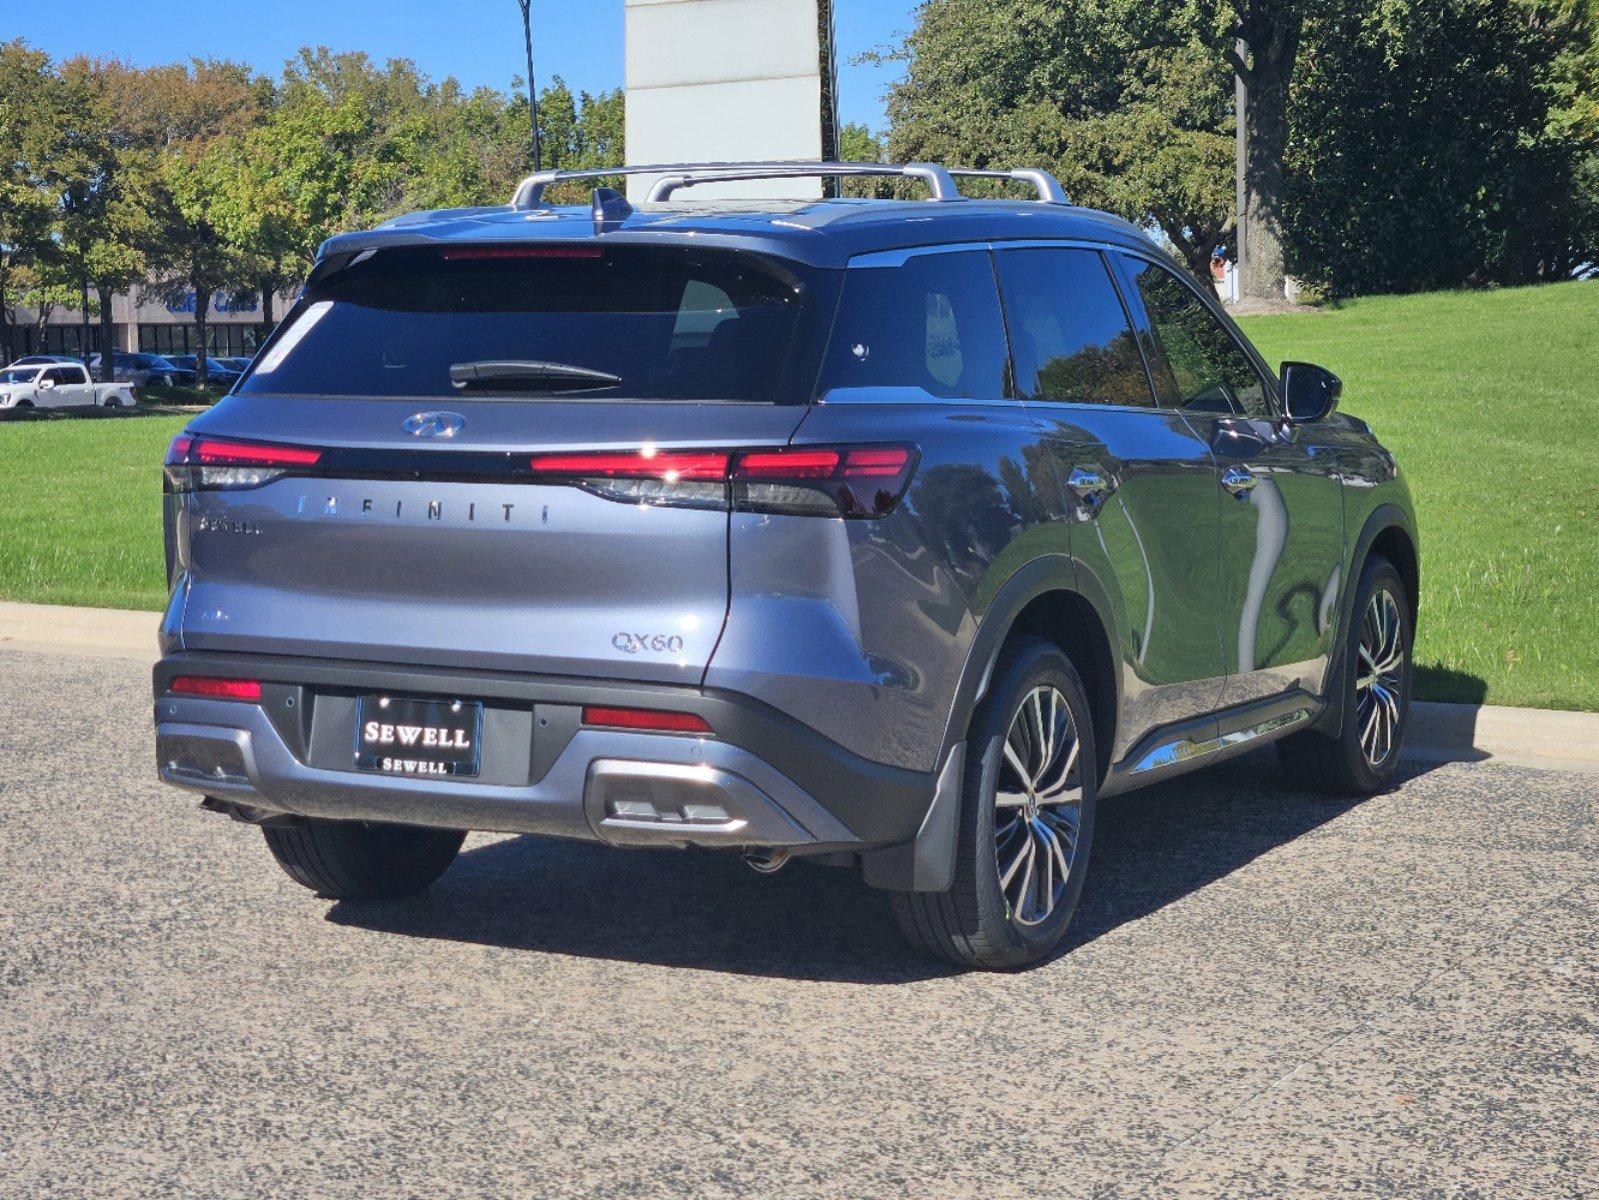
[(660, 643), (434, 424)]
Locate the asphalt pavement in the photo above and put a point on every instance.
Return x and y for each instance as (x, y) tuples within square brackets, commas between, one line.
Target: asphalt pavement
[(1266, 993)]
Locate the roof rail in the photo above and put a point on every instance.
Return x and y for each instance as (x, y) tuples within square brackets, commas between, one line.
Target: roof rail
[(940, 180)]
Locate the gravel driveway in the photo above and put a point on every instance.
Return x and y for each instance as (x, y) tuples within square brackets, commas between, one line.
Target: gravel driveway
[(1267, 994)]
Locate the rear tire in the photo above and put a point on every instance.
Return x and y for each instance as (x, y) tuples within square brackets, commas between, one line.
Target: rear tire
[(996, 916), (1363, 758), (359, 860)]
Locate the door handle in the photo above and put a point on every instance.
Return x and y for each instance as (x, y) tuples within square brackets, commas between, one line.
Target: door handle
[(1240, 481), (1091, 487)]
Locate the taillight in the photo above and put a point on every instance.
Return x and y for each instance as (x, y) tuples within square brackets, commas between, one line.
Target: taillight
[(651, 719), (684, 478), (202, 463), (833, 481), (215, 688), (849, 481)]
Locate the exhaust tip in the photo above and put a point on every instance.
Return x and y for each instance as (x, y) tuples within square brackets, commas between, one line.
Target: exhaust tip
[(768, 862)]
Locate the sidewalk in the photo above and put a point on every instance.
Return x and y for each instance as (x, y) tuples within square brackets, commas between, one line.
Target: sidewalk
[(1438, 732)]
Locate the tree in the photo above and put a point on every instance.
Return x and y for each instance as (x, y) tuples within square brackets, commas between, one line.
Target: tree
[(189, 119), (1128, 103), (32, 130), (1261, 39), (1442, 145)]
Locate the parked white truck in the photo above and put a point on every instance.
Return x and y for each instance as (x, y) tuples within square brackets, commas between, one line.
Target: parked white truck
[(60, 385)]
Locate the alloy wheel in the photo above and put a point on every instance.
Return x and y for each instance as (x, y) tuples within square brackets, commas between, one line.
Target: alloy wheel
[(1038, 806), (1379, 685)]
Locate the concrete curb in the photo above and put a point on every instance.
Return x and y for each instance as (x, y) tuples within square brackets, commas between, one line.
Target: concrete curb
[(98, 632), (1438, 732)]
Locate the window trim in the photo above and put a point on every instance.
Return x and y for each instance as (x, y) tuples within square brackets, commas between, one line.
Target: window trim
[(1267, 379)]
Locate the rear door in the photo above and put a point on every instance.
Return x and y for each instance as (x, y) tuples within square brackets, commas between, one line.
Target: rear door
[(538, 523), (1139, 482)]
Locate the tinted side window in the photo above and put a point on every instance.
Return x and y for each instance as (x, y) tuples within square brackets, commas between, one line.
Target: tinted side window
[(931, 323), (74, 375), (1206, 369), (1069, 333), (54, 375)]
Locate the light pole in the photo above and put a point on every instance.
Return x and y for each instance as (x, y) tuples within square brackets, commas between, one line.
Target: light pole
[(532, 95)]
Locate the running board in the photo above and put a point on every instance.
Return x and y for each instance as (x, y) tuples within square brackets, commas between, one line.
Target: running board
[(1187, 749), (1178, 749)]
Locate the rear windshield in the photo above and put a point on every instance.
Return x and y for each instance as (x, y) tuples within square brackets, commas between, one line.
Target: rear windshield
[(669, 324)]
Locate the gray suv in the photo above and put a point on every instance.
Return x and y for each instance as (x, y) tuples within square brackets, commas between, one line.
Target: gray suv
[(891, 534)]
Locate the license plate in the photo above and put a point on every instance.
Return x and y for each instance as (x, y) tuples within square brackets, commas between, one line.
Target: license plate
[(400, 735)]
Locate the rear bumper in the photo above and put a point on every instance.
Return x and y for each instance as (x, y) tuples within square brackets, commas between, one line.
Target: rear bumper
[(763, 779)]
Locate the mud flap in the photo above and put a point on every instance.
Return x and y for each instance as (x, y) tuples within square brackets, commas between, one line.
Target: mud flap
[(927, 862)]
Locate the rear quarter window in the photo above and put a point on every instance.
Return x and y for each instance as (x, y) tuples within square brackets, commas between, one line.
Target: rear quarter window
[(932, 323)]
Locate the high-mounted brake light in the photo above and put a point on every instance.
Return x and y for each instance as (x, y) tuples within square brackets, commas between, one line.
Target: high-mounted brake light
[(644, 718), (455, 253), (202, 463), (214, 688)]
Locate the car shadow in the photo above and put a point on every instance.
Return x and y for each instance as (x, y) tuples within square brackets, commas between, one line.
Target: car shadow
[(706, 910)]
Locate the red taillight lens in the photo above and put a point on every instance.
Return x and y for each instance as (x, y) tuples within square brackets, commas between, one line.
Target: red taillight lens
[(215, 688), (667, 465), (213, 452), (786, 464), (644, 718), (848, 481), (202, 463)]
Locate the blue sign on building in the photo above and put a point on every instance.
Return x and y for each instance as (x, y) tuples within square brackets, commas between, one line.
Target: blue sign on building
[(223, 302)]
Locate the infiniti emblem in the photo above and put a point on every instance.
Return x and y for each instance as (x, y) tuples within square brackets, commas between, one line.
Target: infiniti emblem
[(434, 424)]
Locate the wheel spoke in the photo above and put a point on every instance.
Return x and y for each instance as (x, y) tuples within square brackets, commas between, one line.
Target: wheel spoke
[(1047, 793), (1023, 852)]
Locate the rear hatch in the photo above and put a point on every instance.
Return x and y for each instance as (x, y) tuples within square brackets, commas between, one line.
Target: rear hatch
[(470, 459)]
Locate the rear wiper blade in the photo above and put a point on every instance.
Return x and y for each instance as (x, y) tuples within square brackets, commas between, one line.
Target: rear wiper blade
[(532, 375)]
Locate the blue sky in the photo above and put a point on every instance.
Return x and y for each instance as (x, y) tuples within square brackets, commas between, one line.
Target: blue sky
[(477, 41)]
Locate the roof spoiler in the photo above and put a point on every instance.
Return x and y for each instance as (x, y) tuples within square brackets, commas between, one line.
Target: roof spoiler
[(940, 180)]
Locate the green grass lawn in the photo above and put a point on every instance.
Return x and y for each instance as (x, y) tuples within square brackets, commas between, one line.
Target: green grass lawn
[(1491, 402), (1490, 399), (80, 511)]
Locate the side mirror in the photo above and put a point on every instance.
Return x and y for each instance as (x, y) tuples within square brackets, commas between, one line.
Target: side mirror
[(46, 384), (1310, 393)]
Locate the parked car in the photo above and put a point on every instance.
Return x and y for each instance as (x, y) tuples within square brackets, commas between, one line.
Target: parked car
[(144, 370), (237, 363), (892, 534), (59, 385), (217, 371), (36, 359)]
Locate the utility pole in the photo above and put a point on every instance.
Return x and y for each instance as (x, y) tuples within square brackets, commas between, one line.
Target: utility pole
[(1241, 212), (532, 94)]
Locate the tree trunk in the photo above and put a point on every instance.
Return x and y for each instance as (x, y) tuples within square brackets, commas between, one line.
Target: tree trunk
[(108, 352), (267, 320), (202, 310), (7, 349), (1272, 36)]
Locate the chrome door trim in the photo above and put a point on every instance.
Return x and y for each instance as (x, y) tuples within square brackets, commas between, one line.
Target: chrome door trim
[(1185, 750)]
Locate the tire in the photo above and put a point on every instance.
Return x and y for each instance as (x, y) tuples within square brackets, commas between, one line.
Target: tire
[(978, 923), (1346, 764), (359, 860)]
